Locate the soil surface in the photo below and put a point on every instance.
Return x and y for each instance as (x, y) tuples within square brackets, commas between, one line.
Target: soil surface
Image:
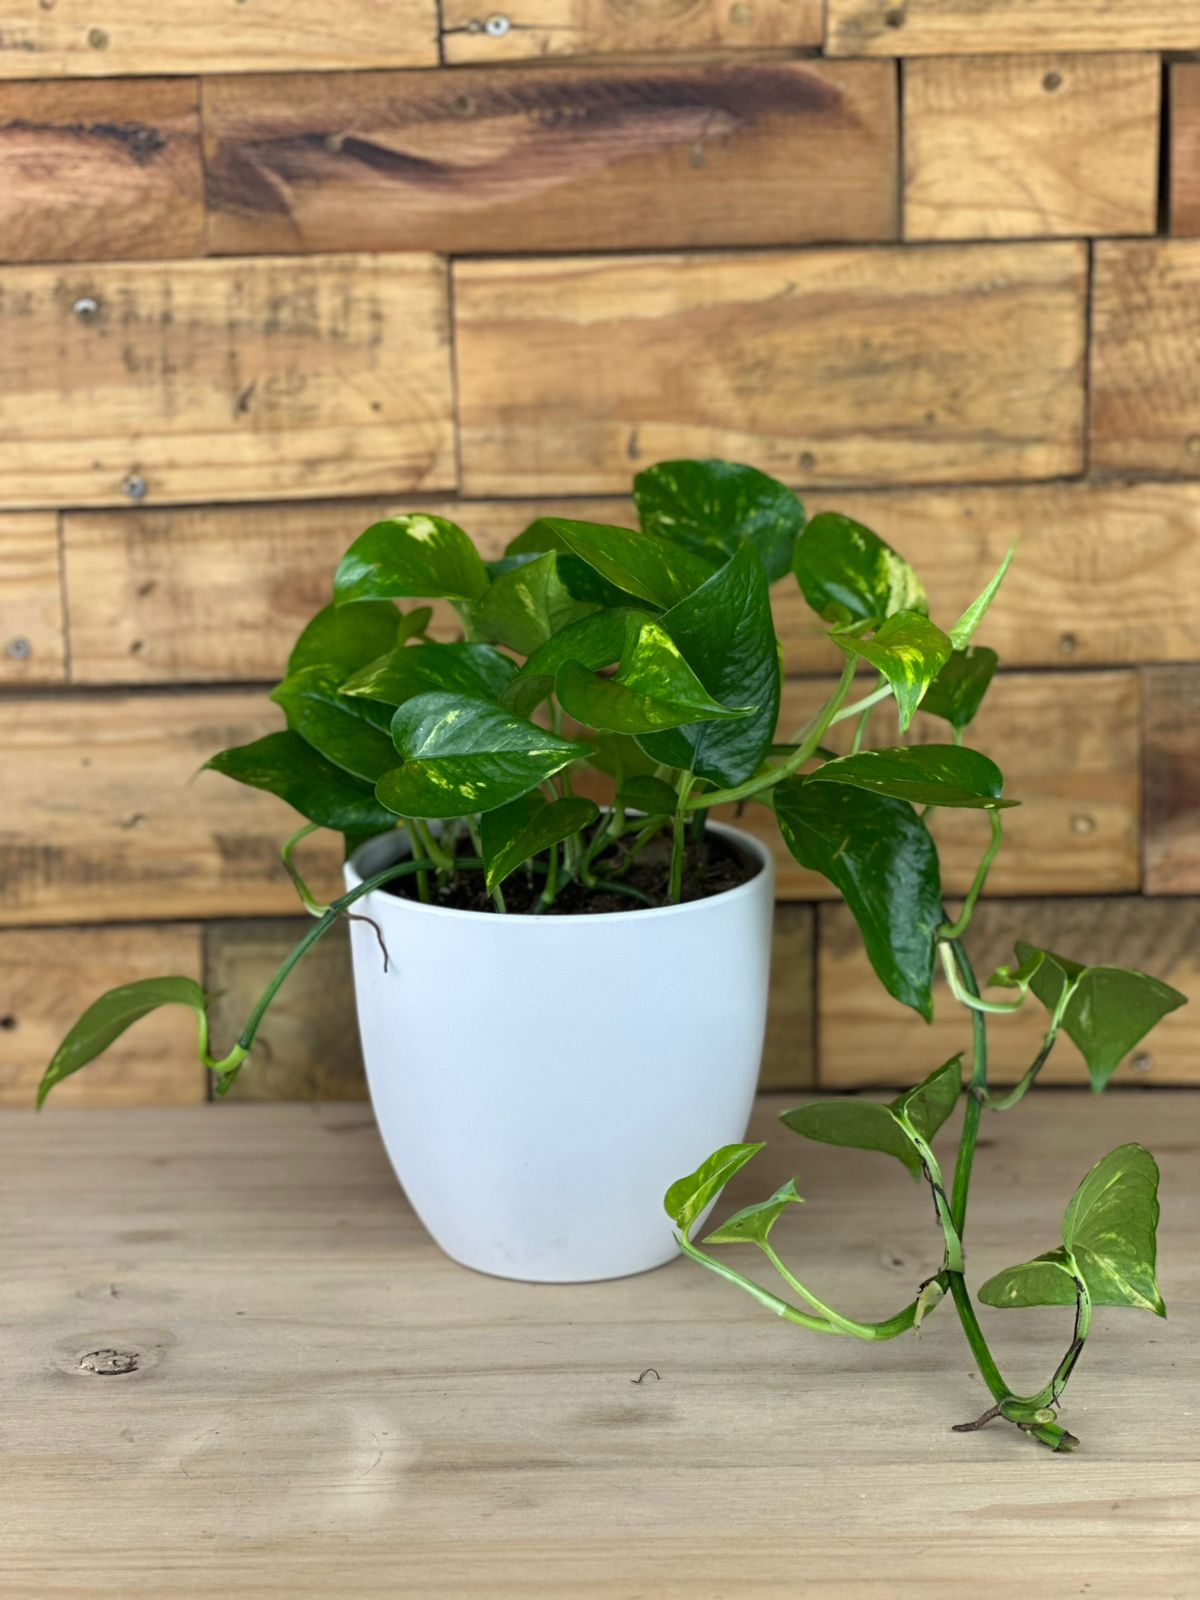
[(711, 866)]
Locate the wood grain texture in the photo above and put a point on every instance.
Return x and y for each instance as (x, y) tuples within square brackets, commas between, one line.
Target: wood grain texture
[(97, 171), (789, 1049), (1172, 775), (837, 365), (865, 1037), (553, 158), (963, 27), (1145, 408), (1069, 749), (224, 380), (105, 38), (106, 816), (1185, 147), (271, 1450), (1032, 146), (540, 28), (1103, 574), (32, 646), (47, 977)]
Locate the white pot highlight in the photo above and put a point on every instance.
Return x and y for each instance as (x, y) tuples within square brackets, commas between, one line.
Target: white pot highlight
[(540, 1081)]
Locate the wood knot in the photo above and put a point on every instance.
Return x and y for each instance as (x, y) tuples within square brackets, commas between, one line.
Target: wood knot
[(109, 1363)]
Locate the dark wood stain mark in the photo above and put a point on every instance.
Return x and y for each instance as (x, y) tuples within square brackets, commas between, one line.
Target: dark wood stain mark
[(139, 141)]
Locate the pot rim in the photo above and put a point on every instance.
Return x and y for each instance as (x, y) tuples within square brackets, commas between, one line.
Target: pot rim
[(746, 842)]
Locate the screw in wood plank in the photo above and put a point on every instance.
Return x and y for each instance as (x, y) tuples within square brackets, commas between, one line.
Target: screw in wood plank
[(1082, 824), (97, 39), (497, 25), (1052, 81), (1142, 1062), (18, 649), (134, 487), (86, 308)]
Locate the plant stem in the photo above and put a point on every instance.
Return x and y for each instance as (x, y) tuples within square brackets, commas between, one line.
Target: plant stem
[(312, 906), (890, 1329), (679, 837), (956, 929), (547, 896), (967, 997)]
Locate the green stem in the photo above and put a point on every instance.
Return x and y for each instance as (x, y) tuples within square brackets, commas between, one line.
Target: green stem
[(311, 905), (890, 1329), (679, 837), (806, 748), (968, 997), (956, 929), (988, 1369), (550, 891), (764, 1296)]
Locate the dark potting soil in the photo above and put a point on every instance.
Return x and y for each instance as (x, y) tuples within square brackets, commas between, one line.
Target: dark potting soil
[(711, 866)]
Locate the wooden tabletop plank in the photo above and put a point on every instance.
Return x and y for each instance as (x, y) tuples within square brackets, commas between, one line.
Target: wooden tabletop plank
[(32, 641), (324, 1405)]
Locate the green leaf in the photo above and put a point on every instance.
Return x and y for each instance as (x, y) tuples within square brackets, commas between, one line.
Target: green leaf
[(478, 670), (715, 507), (910, 652), (419, 555), (515, 833), (865, 1125), (636, 563), (963, 630), (753, 1224), (651, 795), (1110, 1010), (726, 634), (688, 1197), (525, 608), (463, 756), (880, 855), (345, 640), (1109, 1238), (654, 687), (620, 756), (345, 731), (957, 692), (594, 642), (284, 765), (848, 574), (927, 775), (109, 1016)]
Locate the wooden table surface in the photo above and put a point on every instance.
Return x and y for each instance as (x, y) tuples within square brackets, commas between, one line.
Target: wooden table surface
[(324, 1406)]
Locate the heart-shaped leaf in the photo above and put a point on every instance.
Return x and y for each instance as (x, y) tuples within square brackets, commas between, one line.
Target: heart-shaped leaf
[(421, 556), (635, 563), (285, 765), (463, 756), (515, 833), (1109, 1238), (753, 1224), (344, 730), (848, 574), (926, 775), (478, 670), (688, 1197), (345, 640), (651, 795), (654, 687), (107, 1018), (715, 507), (910, 652), (957, 692), (727, 636), (963, 630), (596, 641), (880, 855), (526, 607), (1110, 1009), (865, 1125)]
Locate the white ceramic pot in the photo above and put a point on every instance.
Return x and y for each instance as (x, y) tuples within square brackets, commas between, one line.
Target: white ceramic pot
[(540, 1081)]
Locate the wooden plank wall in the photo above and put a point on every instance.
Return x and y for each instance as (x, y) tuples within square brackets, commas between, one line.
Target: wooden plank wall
[(269, 270)]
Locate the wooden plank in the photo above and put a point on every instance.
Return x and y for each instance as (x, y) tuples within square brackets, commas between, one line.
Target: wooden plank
[(1103, 574), (106, 817), (1185, 147), (31, 617), (839, 365), (1032, 146), (48, 976), (553, 158), (540, 28), (217, 380), (267, 1451), (84, 39), (1070, 752), (865, 1037), (101, 170), (1145, 409), (308, 1048), (961, 27), (1172, 776)]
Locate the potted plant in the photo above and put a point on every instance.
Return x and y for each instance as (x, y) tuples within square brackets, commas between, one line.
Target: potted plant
[(548, 988)]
